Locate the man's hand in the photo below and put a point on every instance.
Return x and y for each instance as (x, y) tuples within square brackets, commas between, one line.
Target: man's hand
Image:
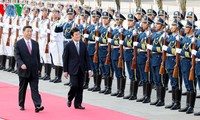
[(23, 67), (66, 75), (90, 73)]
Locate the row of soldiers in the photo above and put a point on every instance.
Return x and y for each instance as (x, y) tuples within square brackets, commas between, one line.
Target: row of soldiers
[(153, 52)]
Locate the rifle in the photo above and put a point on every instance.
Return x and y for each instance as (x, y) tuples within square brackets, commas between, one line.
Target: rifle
[(147, 67), (27, 21), (109, 48), (176, 67), (133, 66), (48, 38), (9, 33), (162, 66), (1, 28), (17, 30), (36, 34), (120, 61), (95, 59), (191, 76)]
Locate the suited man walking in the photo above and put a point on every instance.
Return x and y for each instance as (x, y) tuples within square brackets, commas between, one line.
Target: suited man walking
[(75, 63), (27, 55)]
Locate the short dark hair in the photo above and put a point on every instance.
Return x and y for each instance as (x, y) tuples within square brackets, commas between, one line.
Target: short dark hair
[(27, 26), (74, 30)]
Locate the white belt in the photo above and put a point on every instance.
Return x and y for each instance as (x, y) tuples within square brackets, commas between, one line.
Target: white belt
[(115, 47), (141, 50), (153, 52), (127, 48), (91, 42), (170, 55), (197, 59), (103, 45)]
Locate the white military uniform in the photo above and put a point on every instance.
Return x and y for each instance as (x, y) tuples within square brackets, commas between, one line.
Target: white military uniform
[(32, 23), (22, 23), (56, 45), (45, 57)]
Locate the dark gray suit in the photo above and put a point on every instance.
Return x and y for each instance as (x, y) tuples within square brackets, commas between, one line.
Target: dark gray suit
[(30, 75)]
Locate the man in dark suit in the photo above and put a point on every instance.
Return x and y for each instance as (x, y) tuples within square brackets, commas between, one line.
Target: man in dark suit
[(27, 55), (75, 63)]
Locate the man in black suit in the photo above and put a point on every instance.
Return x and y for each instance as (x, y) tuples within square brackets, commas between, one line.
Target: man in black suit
[(27, 55), (75, 63)]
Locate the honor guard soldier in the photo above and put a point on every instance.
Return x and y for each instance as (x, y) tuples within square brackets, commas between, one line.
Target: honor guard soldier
[(129, 35), (185, 62), (190, 17), (66, 27), (177, 15), (197, 66), (157, 39), (112, 12), (115, 53), (43, 43), (90, 39), (141, 44), (151, 14), (102, 39), (170, 48), (140, 12), (163, 14), (56, 47)]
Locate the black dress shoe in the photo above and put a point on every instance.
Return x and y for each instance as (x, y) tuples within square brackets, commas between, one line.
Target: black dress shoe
[(67, 84), (197, 114), (79, 107), (21, 108), (57, 81), (69, 103), (38, 109)]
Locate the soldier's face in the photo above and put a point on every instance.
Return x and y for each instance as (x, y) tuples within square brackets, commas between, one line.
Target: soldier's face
[(173, 28), (163, 17), (130, 23), (70, 16), (178, 18), (144, 25), (76, 36), (95, 19), (151, 16), (55, 14), (158, 27), (105, 21), (187, 30), (35, 13), (190, 19), (44, 13), (139, 16)]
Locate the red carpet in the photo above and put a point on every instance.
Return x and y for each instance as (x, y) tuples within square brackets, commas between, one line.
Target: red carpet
[(55, 108)]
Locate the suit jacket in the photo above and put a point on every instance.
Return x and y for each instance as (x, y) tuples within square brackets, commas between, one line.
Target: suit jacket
[(22, 56), (72, 61)]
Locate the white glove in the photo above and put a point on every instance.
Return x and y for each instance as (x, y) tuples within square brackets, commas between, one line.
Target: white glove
[(148, 33), (149, 47), (48, 31), (178, 50), (1, 24), (167, 27), (10, 26), (164, 34), (135, 43), (134, 32), (177, 38), (120, 30), (140, 24), (109, 29), (109, 40), (193, 39), (96, 27), (121, 42), (36, 29), (97, 38), (164, 47), (85, 35), (152, 25), (194, 52)]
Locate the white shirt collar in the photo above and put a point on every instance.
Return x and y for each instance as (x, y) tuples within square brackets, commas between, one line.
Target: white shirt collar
[(26, 41)]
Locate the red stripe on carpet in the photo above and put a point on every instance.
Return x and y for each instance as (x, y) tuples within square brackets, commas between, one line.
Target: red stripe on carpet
[(55, 108)]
